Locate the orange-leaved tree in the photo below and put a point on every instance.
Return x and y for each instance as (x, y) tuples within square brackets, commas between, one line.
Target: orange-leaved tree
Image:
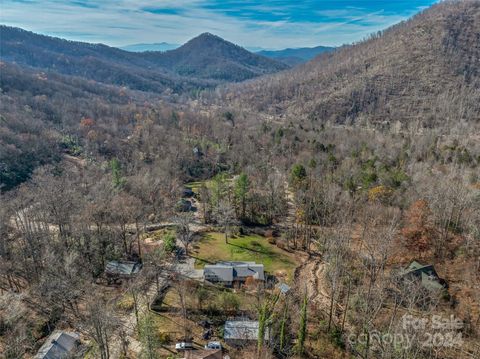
[(419, 230)]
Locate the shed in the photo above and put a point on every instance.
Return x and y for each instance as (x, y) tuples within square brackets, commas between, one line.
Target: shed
[(284, 288), (59, 345), (241, 332)]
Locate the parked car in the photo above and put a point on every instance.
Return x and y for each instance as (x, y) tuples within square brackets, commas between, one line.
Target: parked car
[(183, 346), (213, 345), (183, 205)]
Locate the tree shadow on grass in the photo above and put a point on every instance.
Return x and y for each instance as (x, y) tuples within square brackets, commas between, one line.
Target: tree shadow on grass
[(203, 260), (249, 249), (164, 347)]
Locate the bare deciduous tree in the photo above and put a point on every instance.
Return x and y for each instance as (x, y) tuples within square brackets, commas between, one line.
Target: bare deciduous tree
[(225, 217), (99, 323), (185, 234)]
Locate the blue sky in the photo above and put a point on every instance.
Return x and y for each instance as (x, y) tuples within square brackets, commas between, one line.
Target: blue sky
[(250, 23)]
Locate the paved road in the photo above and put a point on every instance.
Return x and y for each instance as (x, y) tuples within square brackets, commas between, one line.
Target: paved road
[(186, 267)]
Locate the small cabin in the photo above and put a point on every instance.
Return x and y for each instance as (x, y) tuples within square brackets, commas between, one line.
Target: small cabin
[(425, 274)]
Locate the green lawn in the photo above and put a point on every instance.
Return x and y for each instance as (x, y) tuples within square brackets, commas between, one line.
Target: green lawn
[(195, 186), (212, 296), (254, 248)]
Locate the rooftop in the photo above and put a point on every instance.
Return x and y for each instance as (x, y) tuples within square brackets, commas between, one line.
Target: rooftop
[(203, 354), (230, 271), (59, 345), (284, 288), (123, 267), (241, 329), (427, 275)]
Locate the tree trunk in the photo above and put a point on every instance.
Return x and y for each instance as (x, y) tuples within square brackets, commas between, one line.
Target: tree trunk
[(137, 230), (346, 305)]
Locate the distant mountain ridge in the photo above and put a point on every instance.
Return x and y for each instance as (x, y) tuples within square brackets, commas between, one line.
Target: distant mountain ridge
[(295, 56), (204, 61), (91, 61), (161, 46), (289, 56)]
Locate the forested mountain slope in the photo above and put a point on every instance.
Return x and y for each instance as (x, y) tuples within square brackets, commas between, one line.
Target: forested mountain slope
[(92, 61), (295, 56), (423, 72), (210, 57), (203, 62), (92, 173), (42, 115)]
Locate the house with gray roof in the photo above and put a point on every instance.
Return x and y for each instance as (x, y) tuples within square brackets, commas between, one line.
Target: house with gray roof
[(59, 345), (425, 274), (241, 332), (230, 273), (117, 270)]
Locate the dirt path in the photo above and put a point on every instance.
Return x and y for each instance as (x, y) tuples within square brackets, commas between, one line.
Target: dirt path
[(310, 274), (291, 213)]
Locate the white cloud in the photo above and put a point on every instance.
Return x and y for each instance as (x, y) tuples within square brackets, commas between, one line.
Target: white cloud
[(124, 22)]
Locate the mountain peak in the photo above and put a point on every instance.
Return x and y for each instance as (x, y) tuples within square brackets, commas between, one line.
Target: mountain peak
[(208, 39), (208, 35), (210, 56)]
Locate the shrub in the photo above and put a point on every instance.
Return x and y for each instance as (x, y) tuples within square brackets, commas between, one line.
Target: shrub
[(126, 303), (380, 193), (212, 309), (337, 339), (229, 302), (164, 338), (202, 296), (297, 174), (169, 242)]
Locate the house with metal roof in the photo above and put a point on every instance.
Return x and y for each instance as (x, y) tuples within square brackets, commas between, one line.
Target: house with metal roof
[(116, 271), (229, 273), (426, 274), (122, 268), (59, 345), (241, 332)]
